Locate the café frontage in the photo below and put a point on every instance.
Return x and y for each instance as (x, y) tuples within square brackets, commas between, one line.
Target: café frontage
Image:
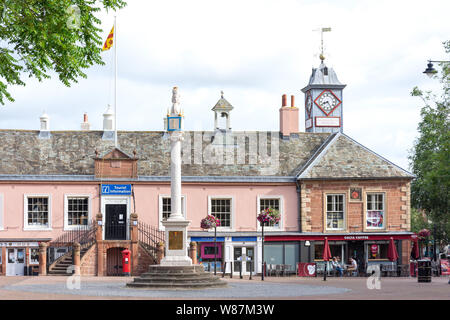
[(366, 249)]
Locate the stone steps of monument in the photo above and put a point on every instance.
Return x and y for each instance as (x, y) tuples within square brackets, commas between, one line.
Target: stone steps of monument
[(175, 285), (174, 275), (160, 278)]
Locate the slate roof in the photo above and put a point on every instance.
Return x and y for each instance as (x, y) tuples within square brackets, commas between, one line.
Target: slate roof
[(341, 157), (306, 155)]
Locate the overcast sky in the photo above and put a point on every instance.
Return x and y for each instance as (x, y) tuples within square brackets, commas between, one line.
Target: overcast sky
[(254, 51)]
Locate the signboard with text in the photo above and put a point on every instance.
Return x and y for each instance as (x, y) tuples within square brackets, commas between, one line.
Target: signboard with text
[(116, 189)]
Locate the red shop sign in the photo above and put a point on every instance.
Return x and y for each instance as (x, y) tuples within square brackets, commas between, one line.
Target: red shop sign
[(374, 249)]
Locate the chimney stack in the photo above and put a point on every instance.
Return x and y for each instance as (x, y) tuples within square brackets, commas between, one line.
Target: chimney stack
[(85, 126), (44, 133), (288, 117)]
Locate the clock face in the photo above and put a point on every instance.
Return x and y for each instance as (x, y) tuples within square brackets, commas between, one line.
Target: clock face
[(308, 104), (327, 101)]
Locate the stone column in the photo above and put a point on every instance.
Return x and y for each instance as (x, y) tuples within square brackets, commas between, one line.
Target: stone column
[(77, 258), (100, 249), (134, 243), (43, 259), (193, 251)]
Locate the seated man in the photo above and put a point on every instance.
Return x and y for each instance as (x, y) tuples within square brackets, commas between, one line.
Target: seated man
[(352, 267), (337, 266)]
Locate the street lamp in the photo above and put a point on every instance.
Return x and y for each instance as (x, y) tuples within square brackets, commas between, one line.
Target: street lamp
[(430, 71)]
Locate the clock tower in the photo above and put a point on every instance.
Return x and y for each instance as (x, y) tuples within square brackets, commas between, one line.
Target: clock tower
[(323, 100)]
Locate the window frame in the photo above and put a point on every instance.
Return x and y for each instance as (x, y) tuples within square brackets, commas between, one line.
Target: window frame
[(160, 208), (369, 229), (232, 211), (26, 226), (66, 209), (281, 209), (344, 213)]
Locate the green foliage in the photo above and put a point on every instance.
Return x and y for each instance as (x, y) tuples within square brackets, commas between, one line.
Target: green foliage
[(430, 158), (38, 37)]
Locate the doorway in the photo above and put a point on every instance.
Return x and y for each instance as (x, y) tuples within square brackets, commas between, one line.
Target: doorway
[(114, 261), (15, 261), (246, 254), (115, 222), (356, 251)]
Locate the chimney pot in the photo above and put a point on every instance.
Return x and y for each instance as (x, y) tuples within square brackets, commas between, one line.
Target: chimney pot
[(292, 101), (283, 100), (85, 118)]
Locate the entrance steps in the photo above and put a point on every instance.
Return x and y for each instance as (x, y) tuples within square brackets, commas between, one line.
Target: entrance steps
[(60, 266), (176, 277)]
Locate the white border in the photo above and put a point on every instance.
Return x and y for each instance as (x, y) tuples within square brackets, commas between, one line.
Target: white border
[(231, 227), (281, 222), (25, 212), (160, 208), (66, 214)]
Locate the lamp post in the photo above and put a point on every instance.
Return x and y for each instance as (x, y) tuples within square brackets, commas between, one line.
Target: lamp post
[(262, 256), (430, 71)]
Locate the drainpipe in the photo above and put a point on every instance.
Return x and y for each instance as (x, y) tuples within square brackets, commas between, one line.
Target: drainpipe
[(299, 206)]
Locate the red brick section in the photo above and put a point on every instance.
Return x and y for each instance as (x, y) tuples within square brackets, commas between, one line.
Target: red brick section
[(94, 262), (110, 168), (88, 264), (397, 206)]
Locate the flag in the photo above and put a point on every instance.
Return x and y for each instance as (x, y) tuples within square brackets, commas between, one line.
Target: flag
[(109, 41)]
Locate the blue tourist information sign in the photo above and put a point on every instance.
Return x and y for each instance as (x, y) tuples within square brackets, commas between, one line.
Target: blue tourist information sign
[(116, 189)]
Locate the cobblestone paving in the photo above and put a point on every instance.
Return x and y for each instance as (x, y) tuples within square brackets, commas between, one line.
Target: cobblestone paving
[(235, 290)]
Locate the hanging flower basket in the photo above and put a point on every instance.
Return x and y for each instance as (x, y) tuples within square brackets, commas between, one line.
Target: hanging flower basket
[(209, 222), (268, 216), (424, 233)]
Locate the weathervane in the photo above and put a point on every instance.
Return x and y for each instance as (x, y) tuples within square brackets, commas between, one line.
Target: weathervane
[(322, 30)]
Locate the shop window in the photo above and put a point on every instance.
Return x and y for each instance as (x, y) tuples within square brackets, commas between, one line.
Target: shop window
[(335, 212), (221, 209), (273, 203), (37, 212), (335, 250), (34, 255), (77, 211), (375, 211), (378, 251)]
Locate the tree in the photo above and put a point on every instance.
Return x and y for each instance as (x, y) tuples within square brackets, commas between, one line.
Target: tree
[(38, 37), (430, 157)]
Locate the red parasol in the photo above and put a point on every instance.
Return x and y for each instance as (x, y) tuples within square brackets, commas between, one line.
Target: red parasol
[(392, 251), (415, 249), (326, 251)]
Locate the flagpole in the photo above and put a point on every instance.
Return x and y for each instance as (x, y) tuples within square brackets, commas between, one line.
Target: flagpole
[(115, 82)]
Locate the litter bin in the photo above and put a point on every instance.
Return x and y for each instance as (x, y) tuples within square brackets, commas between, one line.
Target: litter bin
[(423, 271), (25, 271)]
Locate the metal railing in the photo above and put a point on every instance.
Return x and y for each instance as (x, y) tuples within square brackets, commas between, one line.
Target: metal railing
[(83, 234), (149, 237), (117, 230)]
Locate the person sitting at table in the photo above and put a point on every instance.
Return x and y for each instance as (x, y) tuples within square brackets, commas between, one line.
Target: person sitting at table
[(353, 266), (337, 266)]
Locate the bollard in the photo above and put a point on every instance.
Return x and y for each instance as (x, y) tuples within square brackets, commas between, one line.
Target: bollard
[(240, 271), (231, 269), (223, 270), (251, 270)]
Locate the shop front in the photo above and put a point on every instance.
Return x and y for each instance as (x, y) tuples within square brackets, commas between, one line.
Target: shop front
[(19, 258), (237, 253), (366, 249)]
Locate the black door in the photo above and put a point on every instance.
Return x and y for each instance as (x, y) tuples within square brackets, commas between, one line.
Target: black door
[(116, 222)]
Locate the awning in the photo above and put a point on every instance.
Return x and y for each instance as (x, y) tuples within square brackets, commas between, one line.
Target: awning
[(340, 237)]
